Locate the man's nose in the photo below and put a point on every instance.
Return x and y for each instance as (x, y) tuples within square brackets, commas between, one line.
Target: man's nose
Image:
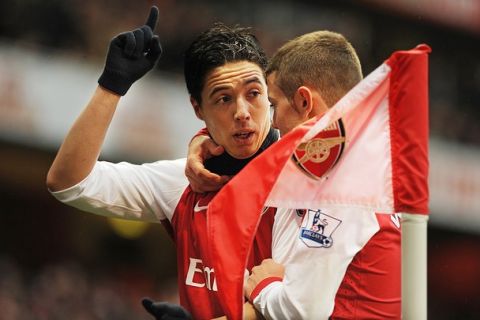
[(242, 111)]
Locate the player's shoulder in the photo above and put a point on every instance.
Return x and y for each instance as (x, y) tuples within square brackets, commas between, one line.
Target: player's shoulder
[(176, 163), (166, 168)]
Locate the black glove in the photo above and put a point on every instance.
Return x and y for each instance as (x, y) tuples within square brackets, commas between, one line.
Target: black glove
[(166, 310), (131, 55)]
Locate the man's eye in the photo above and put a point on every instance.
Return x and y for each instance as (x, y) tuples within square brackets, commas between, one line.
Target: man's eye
[(223, 99), (255, 93)]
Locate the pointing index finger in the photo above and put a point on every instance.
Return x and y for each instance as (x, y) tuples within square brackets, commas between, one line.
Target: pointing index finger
[(152, 18)]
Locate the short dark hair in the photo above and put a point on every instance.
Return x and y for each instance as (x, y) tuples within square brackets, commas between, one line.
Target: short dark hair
[(215, 47)]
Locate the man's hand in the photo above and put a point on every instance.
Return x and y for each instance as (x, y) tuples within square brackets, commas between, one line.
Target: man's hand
[(268, 269), (201, 148), (131, 55), (165, 310)]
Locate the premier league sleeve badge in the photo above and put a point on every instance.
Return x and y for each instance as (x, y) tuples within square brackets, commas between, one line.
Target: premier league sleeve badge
[(317, 229)]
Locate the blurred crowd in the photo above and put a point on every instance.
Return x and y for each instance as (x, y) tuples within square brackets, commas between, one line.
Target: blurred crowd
[(67, 291), (82, 29)]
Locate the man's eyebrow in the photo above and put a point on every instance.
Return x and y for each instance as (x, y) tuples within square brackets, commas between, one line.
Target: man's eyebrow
[(252, 79), (216, 89)]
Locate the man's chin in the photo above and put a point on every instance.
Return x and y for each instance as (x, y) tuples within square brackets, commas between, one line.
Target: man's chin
[(242, 153)]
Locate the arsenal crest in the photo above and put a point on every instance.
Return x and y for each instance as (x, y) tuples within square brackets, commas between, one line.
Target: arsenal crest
[(318, 155)]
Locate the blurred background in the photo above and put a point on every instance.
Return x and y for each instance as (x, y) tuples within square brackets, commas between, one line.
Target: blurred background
[(59, 263)]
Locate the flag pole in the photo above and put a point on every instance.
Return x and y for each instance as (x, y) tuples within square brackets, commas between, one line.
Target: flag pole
[(414, 266)]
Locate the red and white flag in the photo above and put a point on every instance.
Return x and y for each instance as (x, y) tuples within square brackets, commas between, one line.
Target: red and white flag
[(369, 150)]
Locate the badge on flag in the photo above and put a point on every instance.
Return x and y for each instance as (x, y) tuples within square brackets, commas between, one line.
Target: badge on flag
[(318, 155)]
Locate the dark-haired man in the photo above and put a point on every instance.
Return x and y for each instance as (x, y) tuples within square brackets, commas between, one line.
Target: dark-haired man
[(224, 72)]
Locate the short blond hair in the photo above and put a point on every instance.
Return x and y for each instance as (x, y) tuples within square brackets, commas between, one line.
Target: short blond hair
[(322, 59)]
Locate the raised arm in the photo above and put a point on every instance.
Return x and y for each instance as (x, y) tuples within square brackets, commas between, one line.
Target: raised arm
[(130, 56), (81, 147)]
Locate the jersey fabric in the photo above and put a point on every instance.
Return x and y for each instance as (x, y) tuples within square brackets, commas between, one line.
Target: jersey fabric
[(196, 274), (340, 263), (159, 192)]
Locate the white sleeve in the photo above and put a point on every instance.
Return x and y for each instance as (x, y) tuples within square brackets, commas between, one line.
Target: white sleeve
[(313, 271), (147, 192)]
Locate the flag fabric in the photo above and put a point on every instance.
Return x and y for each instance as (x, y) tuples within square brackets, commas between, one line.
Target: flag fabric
[(383, 166)]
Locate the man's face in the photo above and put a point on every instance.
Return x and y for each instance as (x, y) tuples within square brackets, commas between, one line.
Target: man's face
[(235, 107), (285, 116)]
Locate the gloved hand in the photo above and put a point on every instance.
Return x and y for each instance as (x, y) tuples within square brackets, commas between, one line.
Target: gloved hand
[(166, 310), (131, 55)]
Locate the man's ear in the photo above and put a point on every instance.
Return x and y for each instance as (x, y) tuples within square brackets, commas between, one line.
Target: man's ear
[(303, 100), (196, 108)]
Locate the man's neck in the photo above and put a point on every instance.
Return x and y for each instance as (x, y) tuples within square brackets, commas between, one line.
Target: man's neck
[(225, 164)]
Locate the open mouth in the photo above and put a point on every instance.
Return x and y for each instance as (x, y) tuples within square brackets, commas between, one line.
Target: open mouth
[(244, 136)]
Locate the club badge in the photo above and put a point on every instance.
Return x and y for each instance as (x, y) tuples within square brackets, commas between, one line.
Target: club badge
[(317, 229), (318, 155)]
